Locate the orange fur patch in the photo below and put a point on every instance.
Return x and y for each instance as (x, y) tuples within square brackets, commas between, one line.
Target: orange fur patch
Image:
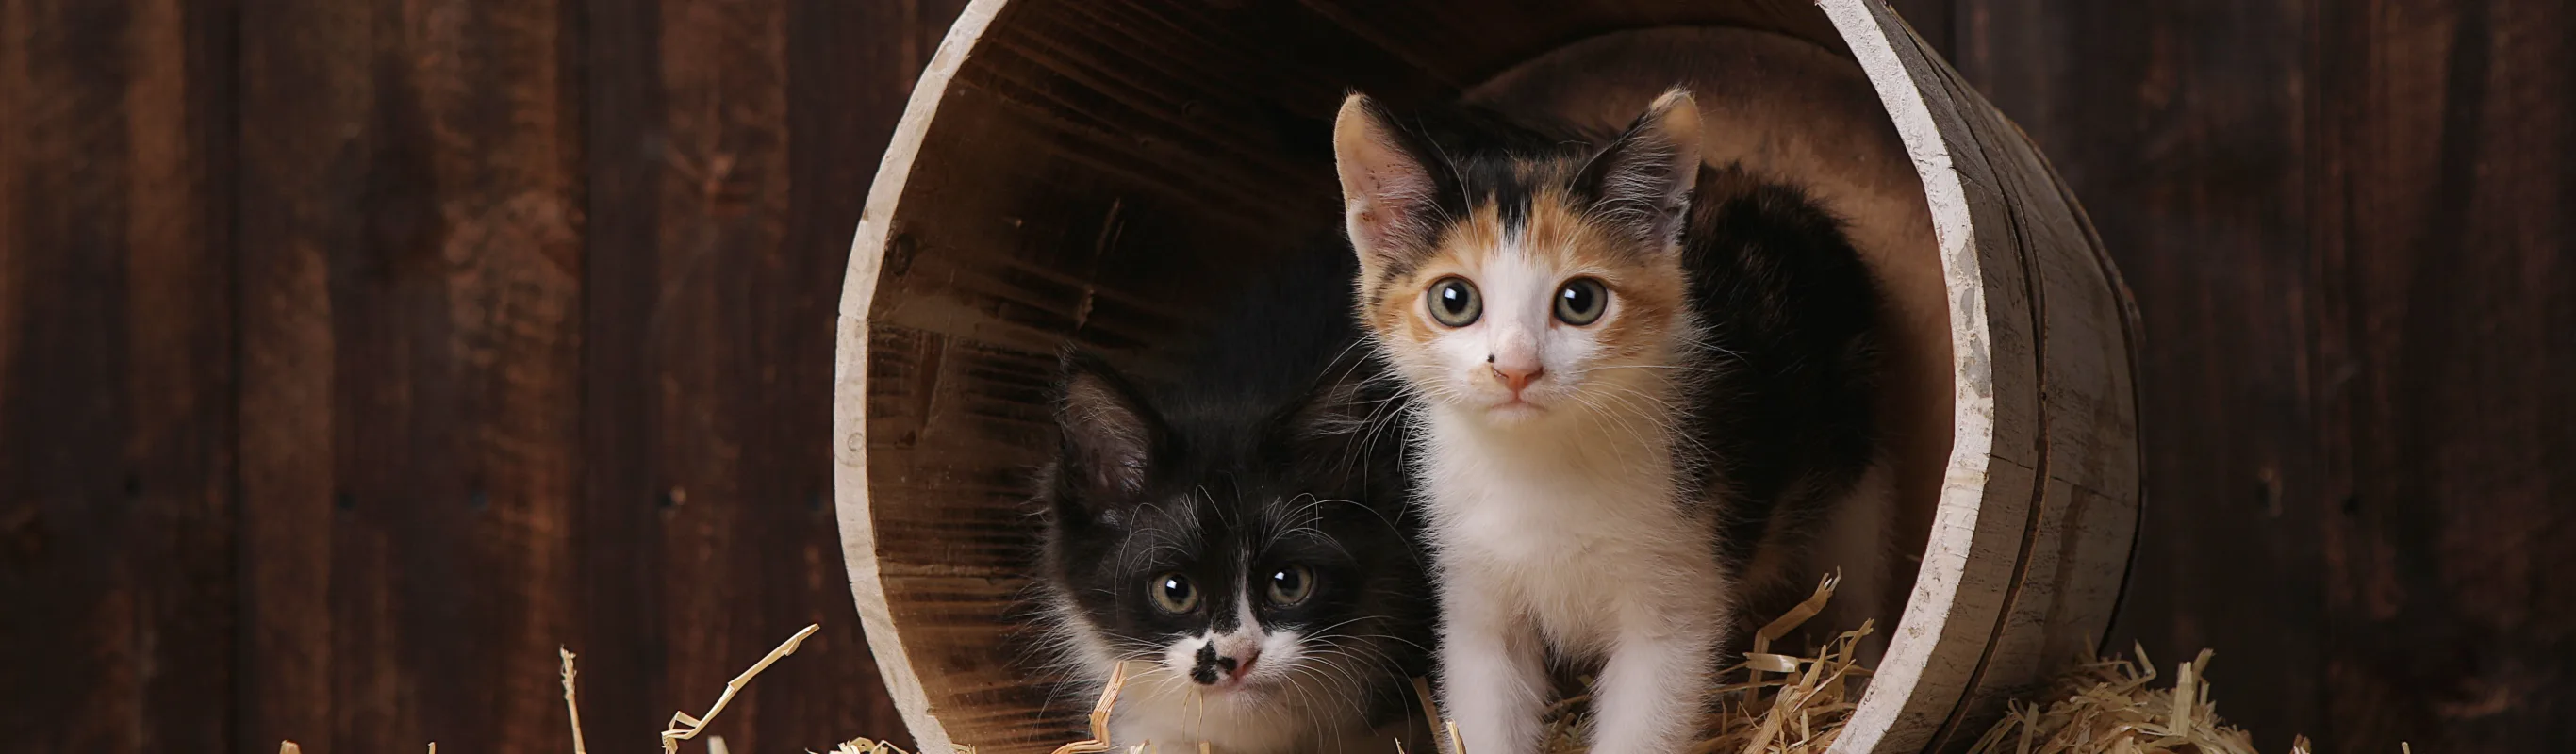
[(1648, 287)]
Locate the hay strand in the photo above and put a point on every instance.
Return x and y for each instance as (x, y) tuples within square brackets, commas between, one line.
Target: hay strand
[(868, 746), (2105, 706), (1797, 616), (2101, 706), (1770, 703), (1100, 716), (572, 708), (684, 727)]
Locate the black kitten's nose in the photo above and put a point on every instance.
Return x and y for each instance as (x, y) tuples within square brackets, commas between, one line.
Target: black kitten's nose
[(1212, 667), (1205, 671)]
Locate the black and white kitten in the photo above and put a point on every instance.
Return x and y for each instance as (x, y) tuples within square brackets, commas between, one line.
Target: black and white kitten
[(1239, 535)]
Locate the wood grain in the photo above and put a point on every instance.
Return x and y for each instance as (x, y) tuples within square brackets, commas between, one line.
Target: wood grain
[(2031, 539), (411, 257), (116, 376), (2341, 220), (1932, 20), (2195, 182), (2340, 244), (2445, 143), (725, 169)]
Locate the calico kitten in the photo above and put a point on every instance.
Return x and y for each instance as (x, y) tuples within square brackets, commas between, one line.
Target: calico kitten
[(1240, 536), (1642, 384)]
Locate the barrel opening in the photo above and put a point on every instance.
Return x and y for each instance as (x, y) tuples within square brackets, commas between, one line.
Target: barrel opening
[(1103, 171)]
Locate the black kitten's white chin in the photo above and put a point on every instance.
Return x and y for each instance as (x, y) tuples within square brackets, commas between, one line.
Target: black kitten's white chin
[(1246, 685), (1247, 692)]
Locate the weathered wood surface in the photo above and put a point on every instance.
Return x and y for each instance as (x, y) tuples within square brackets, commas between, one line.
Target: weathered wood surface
[(2443, 372), (727, 156), (2341, 222), (2346, 226), (410, 346), (117, 508), (355, 355), (2197, 184), (2030, 544), (1073, 171)]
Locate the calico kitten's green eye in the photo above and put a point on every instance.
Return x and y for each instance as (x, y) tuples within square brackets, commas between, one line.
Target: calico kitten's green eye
[(1580, 301), (1454, 302), (1175, 594), (1291, 585)]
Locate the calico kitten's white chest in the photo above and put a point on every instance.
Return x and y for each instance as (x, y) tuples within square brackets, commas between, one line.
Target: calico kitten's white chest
[(1582, 539)]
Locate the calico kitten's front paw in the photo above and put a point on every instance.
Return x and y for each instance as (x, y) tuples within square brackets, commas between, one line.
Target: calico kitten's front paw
[(1494, 688), (1648, 694)]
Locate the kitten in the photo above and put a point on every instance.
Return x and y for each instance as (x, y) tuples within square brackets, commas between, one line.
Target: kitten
[(1240, 536), (1643, 386)]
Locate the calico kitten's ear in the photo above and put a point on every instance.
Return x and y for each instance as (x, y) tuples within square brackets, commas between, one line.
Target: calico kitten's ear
[(1109, 435), (1642, 182), (1388, 192)]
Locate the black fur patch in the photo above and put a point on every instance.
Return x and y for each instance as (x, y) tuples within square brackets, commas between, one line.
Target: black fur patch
[(1793, 317)]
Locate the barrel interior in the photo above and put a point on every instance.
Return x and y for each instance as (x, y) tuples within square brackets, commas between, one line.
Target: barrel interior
[(1098, 172)]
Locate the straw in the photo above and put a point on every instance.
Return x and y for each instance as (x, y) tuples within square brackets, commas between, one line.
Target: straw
[(1771, 703), (684, 727)]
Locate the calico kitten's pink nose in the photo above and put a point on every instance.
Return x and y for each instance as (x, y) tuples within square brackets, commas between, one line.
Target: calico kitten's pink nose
[(1516, 374)]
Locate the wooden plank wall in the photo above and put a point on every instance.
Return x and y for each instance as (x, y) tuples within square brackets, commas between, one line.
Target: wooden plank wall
[(2345, 222), (354, 354), (2197, 180), (118, 516)]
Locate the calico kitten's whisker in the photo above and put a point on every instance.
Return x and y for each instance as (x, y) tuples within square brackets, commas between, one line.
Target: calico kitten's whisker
[(1700, 450), (1616, 419), (1687, 368)]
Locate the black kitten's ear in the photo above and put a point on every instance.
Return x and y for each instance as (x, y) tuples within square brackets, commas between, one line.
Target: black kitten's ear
[(1388, 192), (1642, 182), (1109, 435)]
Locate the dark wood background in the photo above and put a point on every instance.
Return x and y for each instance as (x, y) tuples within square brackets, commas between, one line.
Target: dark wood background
[(355, 353)]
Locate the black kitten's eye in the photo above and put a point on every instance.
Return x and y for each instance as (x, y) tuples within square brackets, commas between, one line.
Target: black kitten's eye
[(1291, 585), (1580, 301), (1174, 593), (1454, 302)]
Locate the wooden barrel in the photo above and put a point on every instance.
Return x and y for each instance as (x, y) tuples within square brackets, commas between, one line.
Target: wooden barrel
[(1094, 170)]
